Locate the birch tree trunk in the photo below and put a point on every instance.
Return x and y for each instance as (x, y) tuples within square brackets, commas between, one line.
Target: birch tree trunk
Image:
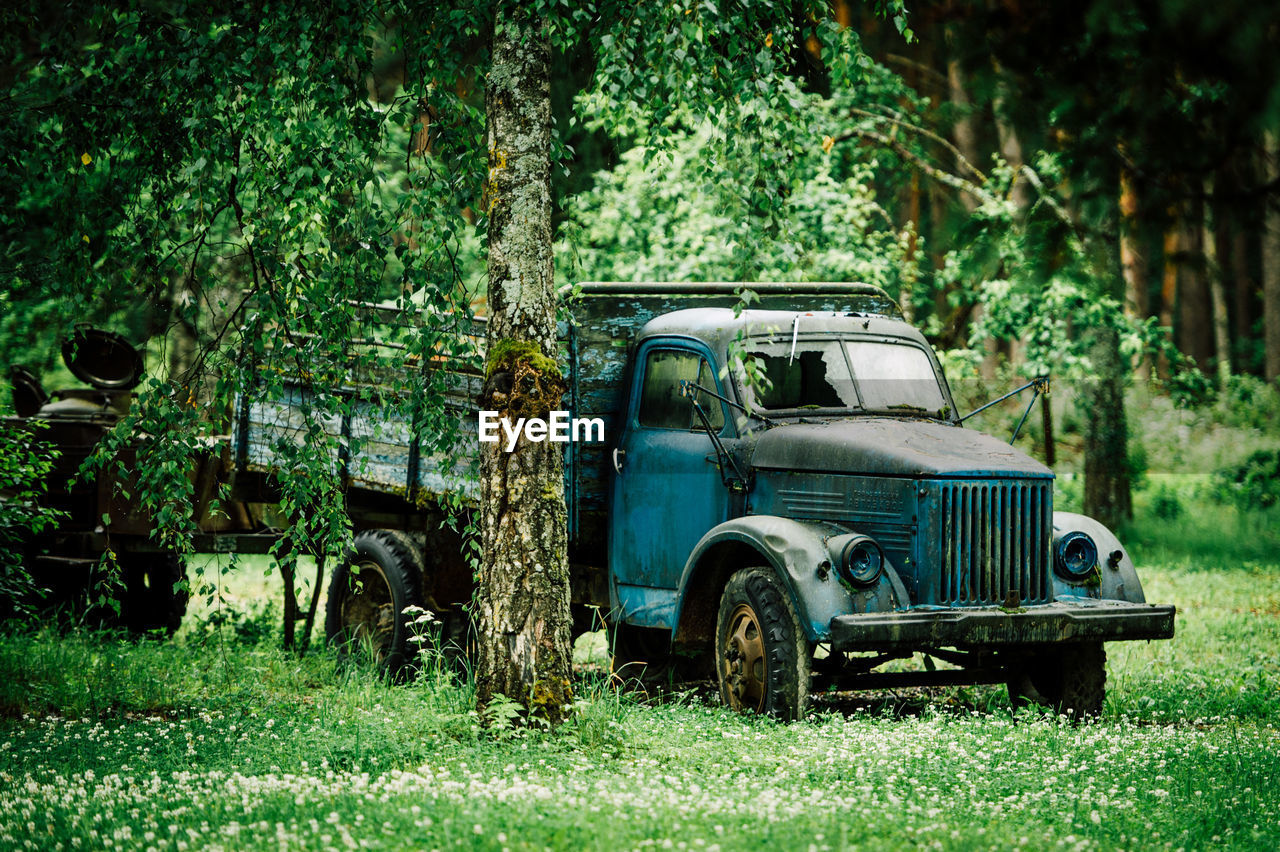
[(523, 606)]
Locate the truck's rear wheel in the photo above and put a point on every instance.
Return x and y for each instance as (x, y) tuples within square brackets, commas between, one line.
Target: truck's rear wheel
[(1072, 679), (368, 596), (763, 658)]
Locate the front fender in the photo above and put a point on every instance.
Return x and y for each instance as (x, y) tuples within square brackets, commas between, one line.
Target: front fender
[(1119, 582), (798, 551)]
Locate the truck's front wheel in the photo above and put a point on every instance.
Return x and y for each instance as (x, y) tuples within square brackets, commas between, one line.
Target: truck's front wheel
[(762, 655), (1072, 679)]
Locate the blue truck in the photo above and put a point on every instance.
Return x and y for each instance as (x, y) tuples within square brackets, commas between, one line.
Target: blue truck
[(785, 500)]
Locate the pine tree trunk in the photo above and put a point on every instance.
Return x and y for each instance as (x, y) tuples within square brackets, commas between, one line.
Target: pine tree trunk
[(1244, 287), (1195, 307), (965, 135), (1010, 144), (1217, 291), (1172, 247), (1133, 264), (963, 131), (1011, 151), (1107, 477), (523, 606), (1271, 263)]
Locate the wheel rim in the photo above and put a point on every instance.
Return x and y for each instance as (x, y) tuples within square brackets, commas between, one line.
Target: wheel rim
[(368, 615), (744, 677)]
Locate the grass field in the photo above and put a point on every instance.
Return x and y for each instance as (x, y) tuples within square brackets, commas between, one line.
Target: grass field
[(217, 740)]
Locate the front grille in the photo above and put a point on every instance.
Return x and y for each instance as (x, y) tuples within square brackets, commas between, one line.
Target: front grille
[(995, 542)]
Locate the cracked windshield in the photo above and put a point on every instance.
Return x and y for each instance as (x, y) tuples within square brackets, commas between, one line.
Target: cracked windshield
[(849, 374)]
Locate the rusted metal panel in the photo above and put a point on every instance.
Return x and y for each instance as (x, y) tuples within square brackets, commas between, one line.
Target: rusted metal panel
[(1103, 621)]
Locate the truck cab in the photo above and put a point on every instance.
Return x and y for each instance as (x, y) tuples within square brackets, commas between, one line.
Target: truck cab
[(793, 495)]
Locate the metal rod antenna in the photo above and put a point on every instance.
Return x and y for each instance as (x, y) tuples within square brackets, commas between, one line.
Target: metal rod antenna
[(1038, 380), (1030, 405)]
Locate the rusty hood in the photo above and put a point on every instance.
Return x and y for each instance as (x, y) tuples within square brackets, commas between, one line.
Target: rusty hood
[(886, 446)]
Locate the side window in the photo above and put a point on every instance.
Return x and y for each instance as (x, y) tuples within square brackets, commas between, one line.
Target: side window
[(662, 406)]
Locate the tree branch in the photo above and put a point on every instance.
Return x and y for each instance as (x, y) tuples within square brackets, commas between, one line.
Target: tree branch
[(946, 178), (897, 120)]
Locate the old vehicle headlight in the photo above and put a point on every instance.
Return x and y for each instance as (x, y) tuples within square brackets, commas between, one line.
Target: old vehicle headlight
[(861, 561), (1075, 555)]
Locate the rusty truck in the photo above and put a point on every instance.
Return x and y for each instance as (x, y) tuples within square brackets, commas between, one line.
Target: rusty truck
[(785, 532)]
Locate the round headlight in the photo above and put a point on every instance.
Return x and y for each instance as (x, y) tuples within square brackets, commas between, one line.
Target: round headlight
[(1075, 555), (861, 561)]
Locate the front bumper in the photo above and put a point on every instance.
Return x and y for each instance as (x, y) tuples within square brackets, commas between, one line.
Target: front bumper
[(1091, 621)]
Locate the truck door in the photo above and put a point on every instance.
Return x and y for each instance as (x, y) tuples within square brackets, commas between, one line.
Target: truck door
[(667, 490)]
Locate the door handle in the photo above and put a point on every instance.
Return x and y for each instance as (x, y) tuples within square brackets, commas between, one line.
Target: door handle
[(619, 456)]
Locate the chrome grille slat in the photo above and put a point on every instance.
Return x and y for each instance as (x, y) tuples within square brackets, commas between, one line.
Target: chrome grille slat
[(994, 540)]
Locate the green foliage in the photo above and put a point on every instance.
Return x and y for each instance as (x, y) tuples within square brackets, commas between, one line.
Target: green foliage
[(1213, 432), (732, 177), (1207, 534), (236, 178), (1165, 504), (662, 217), (25, 467), (1253, 484), (222, 171)]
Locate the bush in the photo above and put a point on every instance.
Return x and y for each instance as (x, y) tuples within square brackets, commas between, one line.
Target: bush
[(25, 467), (1165, 504), (1253, 484)]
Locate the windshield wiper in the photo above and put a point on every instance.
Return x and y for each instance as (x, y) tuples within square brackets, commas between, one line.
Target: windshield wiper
[(724, 459), (907, 408)]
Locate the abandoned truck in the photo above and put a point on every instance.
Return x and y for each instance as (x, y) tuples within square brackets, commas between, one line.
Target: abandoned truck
[(789, 533), (146, 593)]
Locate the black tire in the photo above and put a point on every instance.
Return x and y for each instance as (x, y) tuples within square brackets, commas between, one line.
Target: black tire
[(155, 593), (763, 659), (1071, 679), (452, 636), (642, 655), (368, 595)]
